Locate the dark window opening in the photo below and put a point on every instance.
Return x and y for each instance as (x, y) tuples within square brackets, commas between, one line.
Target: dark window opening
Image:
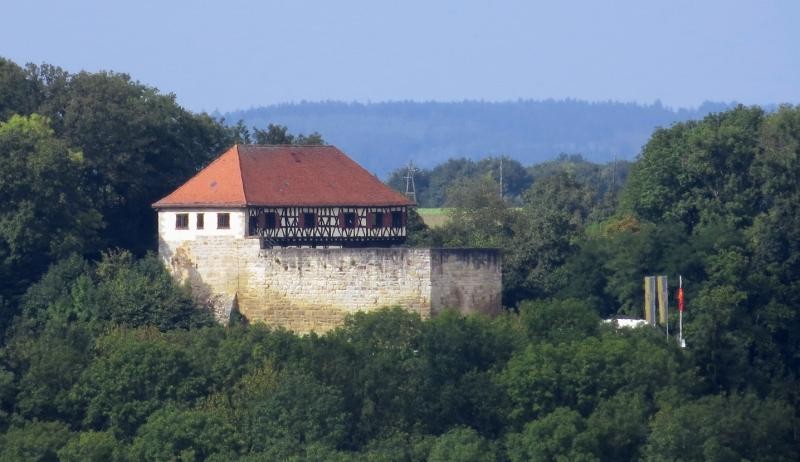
[(223, 220), (350, 220), (271, 220), (397, 219), (309, 220), (377, 220), (200, 222), (253, 225), (182, 221)]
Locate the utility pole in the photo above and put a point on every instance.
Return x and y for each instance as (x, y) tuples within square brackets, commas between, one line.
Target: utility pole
[(411, 188), (501, 177), (614, 175)]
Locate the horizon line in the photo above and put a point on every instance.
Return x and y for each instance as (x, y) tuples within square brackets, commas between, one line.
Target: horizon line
[(354, 102)]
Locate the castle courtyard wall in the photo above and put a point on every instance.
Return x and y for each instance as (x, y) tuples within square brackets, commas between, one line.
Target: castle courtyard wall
[(305, 289), (468, 280)]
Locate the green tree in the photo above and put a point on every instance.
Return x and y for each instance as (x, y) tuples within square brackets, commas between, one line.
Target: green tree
[(432, 184), (279, 134), (479, 217), (558, 436), (697, 172), (720, 428), (558, 321), (34, 442), (580, 374), (274, 134), (300, 412), (186, 435), (515, 178), (775, 234), (632, 253), (241, 134), (134, 374), (417, 232), (137, 145), (119, 289), (18, 93), (51, 294), (312, 139), (605, 180), (46, 213), (374, 360), (619, 427), (553, 215), (226, 355), (141, 292), (720, 195), (445, 176), (462, 445), (398, 447), (459, 355), (8, 391), (93, 446), (48, 365)]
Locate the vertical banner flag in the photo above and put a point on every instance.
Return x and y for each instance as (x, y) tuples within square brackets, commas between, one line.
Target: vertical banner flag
[(663, 300), (650, 300), (680, 299)]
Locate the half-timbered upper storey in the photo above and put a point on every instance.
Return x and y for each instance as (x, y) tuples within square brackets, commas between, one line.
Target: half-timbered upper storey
[(287, 196)]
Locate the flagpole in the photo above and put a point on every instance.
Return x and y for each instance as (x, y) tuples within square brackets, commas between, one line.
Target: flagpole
[(680, 312)]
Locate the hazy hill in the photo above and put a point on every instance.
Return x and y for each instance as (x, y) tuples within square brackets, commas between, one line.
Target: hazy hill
[(384, 136)]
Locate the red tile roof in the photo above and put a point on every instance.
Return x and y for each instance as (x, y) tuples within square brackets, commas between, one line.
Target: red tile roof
[(282, 175)]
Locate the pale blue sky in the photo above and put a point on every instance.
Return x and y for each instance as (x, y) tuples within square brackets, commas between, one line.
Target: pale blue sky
[(236, 54)]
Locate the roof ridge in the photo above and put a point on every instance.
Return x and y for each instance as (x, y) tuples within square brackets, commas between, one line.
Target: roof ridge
[(217, 159), (256, 145)]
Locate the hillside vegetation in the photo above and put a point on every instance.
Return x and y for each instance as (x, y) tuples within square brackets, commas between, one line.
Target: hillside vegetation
[(103, 357)]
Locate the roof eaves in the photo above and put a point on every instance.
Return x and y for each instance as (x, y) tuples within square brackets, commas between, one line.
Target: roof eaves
[(197, 205)]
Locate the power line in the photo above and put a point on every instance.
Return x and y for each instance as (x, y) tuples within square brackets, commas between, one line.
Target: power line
[(411, 188)]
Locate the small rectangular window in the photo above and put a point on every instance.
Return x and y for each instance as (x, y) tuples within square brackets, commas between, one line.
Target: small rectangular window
[(349, 220), (309, 220), (199, 221), (181, 221), (397, 219), (223, 220), (377, 220)]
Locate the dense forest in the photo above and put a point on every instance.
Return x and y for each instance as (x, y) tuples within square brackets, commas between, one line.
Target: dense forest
[(384, 136), (103, 357)]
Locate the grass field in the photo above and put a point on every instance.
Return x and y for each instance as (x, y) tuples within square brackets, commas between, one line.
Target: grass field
[(434, 217)]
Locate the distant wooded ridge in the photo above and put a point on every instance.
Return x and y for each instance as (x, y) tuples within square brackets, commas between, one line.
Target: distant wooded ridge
[(385, 136)]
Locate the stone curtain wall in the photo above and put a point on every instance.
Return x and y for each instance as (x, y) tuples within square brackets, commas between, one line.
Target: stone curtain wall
[(468, 280), (313, 289)]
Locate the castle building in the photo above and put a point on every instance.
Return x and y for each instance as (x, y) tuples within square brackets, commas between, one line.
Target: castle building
[(299, 236)]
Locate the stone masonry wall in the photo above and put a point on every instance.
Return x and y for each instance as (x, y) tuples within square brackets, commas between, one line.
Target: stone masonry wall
[(313, 289), (467, 280)]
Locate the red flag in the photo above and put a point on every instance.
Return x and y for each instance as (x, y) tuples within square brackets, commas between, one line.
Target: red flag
[(680, 299)]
